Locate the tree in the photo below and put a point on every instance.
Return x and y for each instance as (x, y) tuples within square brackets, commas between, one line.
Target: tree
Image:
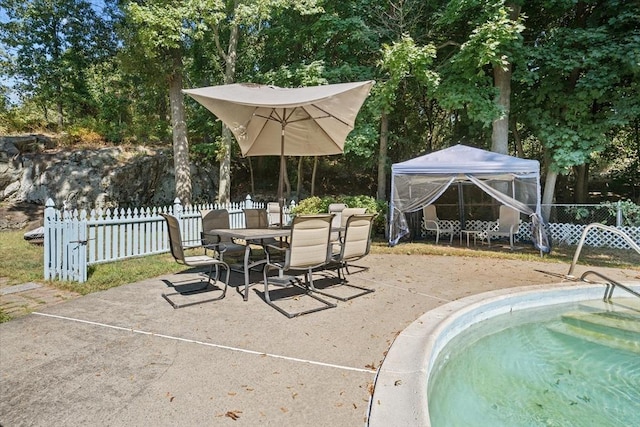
[(53, 44), (579, 88), (402, 61), (233, 20), (164, 30), (485, 44)]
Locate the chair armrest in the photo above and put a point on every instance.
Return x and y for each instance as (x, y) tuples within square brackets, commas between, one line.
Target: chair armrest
[(215, 238), (274, 249), (212, 241)]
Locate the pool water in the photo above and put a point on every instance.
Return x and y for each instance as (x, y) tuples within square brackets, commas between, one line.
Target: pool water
[(522, 369)]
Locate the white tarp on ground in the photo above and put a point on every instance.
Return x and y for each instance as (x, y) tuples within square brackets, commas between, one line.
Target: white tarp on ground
[(418, 182)]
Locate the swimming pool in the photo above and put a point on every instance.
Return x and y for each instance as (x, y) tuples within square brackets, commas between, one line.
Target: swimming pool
[(546, 366), (401, 392)]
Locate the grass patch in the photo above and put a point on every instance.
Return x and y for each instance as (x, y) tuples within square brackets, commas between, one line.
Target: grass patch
[(594, 257), (23, 262)]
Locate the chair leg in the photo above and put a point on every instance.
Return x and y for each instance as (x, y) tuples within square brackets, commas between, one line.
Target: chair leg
[(340, 268), (307, 287), (205, 288)]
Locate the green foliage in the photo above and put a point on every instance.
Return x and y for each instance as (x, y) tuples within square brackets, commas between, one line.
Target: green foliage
[(630, 211), (311, 205), (79, 135), (4, 317), (488, 38), (316, 205), (579, 84), (297, 75), (207, 152), (403, 60), (51, 44)]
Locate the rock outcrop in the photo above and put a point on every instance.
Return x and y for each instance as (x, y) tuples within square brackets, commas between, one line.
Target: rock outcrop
[(110, 177)]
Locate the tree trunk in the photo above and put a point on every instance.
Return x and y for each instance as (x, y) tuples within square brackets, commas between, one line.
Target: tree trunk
[(180, 142), (582, 183), (500, 129), (549, 190), (382, 157), (502, 81), (299, 183), (224, 189), (224, 182), (313, 176), (60, 116), (253, 187), (517, 139)]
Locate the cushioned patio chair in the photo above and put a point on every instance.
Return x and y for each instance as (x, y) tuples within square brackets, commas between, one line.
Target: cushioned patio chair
[(177, 250), (508, 225), (308, 248), (431, 222), (354, 245), (211, 220)]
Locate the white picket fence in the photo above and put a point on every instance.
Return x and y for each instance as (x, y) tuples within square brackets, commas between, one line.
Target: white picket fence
[(74, 240)]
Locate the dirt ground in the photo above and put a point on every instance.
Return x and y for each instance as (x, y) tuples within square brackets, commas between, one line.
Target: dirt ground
[(19, 216)]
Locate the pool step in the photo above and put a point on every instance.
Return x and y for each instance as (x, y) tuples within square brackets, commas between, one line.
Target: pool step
[(625, 306), (619, 328)]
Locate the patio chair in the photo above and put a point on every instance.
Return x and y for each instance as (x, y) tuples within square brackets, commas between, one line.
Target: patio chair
[(211, 220), (255, 218), (308, 248), (336, 209), (347, 212), (273, 214), (354, 245), (177, 250), (431, 222), (508, 225)]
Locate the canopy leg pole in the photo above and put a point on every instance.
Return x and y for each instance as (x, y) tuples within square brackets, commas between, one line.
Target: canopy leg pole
[(463, 225)]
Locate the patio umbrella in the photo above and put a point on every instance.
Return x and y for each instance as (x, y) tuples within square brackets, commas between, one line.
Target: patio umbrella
[(271, 121)]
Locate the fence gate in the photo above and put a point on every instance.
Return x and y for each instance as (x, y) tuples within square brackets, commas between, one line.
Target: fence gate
[(65, 245)]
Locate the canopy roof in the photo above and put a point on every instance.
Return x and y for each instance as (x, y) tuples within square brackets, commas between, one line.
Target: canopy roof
[(419, 182), (462, 159)]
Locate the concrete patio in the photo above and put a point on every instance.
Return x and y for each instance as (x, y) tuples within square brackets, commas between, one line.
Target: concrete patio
[(126, 357)]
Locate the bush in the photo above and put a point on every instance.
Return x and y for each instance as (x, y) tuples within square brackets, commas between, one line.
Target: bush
[(315, 205), (81, 136)]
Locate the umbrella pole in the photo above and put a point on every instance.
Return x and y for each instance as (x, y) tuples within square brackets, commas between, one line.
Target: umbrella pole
[(281, 177)]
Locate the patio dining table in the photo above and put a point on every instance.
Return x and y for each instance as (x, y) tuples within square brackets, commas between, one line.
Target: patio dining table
[(250, 235)]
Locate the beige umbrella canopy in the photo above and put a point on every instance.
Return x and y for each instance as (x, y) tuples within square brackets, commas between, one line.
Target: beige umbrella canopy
[(271, 121)]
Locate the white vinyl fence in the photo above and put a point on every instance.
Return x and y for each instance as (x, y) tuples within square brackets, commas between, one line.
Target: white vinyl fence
[(74, 240)]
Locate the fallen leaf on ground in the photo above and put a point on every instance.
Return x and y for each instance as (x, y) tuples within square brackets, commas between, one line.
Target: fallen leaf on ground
[(234, 415)]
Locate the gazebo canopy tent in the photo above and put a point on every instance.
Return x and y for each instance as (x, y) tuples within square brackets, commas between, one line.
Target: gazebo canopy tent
[(512, 181)]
